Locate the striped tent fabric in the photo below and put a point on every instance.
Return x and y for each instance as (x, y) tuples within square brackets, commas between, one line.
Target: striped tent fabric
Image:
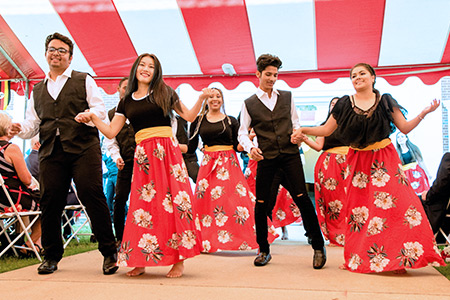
[(204, 41)]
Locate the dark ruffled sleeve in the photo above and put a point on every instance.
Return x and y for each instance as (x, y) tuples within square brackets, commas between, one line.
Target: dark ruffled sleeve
[(388, 103), (338, 111)]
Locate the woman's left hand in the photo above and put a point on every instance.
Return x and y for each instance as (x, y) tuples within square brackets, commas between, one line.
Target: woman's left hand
[(84, 117), (432, 107)]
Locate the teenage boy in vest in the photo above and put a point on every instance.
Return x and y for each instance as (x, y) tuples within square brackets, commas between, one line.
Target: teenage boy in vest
[(122, 152), (68, 150), (273, 116)]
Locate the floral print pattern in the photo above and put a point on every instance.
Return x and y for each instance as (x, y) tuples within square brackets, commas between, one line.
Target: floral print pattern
[(225, 204), (159, 193), (387, 228)]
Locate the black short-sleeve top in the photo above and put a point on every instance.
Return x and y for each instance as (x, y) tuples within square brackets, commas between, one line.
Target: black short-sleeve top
[(332, 141), (214, 133), (360, 129), (144, 112)]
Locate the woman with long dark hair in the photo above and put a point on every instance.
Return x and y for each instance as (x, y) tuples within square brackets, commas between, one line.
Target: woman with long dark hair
[(224, 201), (412, 163), (161, 227), (387, 227), (330, 176)]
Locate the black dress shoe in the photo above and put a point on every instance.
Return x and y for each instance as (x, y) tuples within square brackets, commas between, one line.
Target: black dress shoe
[(109, 264), (48, 266), (262, 259), (320, 257)]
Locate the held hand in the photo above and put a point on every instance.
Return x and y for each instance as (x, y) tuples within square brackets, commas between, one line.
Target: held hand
[(432, 107), (14, 129), (120, 163), (256, 154), (296, 136), (84, 117)]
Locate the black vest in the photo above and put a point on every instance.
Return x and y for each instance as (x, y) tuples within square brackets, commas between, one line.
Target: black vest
[(273, 128), (125, 139), (60, 113)]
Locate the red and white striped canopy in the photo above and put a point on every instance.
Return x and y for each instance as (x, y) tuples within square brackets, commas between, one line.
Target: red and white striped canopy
[(198, 40)]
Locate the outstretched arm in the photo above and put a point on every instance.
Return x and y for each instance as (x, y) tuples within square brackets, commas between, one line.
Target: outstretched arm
[(406, 126), (110, 131), (317, 144), (324, 130)]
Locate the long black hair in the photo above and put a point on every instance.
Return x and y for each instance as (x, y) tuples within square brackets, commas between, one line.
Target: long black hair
[(413, 149), (162, 94)]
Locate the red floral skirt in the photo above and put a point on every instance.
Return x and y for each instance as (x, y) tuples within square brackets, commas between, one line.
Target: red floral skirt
[(225, 204), (331, 174), (417, 177), (162, 227), (285, 211), (387, 227)]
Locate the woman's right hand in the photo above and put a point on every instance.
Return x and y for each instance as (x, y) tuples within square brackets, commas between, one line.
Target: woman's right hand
[(206, 93)]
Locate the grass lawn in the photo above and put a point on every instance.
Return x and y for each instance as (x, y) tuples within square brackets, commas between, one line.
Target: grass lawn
[(9, 263)]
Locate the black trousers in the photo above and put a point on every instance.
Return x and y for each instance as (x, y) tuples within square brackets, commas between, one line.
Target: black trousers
[(192, 168), (291, 165), (123, 188), (56, 173)]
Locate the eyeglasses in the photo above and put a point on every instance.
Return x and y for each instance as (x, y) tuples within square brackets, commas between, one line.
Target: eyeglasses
[(61, 51)]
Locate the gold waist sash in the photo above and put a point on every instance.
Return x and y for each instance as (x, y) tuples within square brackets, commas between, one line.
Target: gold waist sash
[(338, 150), (378, 145), (159, 131), (216, 148)]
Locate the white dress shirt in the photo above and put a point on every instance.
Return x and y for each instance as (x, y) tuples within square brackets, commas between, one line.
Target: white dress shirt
[(269, 102), (30, 126)]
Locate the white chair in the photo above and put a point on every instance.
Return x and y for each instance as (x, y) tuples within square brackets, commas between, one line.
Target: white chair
[(13, 223), (76, 209)]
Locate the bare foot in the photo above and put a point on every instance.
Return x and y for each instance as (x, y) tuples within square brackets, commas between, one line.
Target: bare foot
[(136, 272), (400, 271), (342, 267), (177, 270)]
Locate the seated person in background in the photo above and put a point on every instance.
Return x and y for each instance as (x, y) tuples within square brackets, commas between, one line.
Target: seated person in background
[(32, 159), (17, 179), (436, 199), (412, 162)]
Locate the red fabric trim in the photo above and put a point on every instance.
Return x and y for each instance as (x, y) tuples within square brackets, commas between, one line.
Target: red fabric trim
[(100, 34), (350, 34), (18, 54), (220, 33)]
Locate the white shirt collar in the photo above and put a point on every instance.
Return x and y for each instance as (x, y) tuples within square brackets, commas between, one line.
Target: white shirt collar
[(260, 93), (67, 73)]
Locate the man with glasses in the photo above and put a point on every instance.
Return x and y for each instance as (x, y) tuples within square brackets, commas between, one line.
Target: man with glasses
[(69, 150)]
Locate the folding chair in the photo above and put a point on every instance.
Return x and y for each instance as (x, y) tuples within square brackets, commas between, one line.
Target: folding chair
[(77, 209), (9, 222), (444, 230)]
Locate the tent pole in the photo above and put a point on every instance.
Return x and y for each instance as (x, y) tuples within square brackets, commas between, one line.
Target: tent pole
[(9, 59)]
